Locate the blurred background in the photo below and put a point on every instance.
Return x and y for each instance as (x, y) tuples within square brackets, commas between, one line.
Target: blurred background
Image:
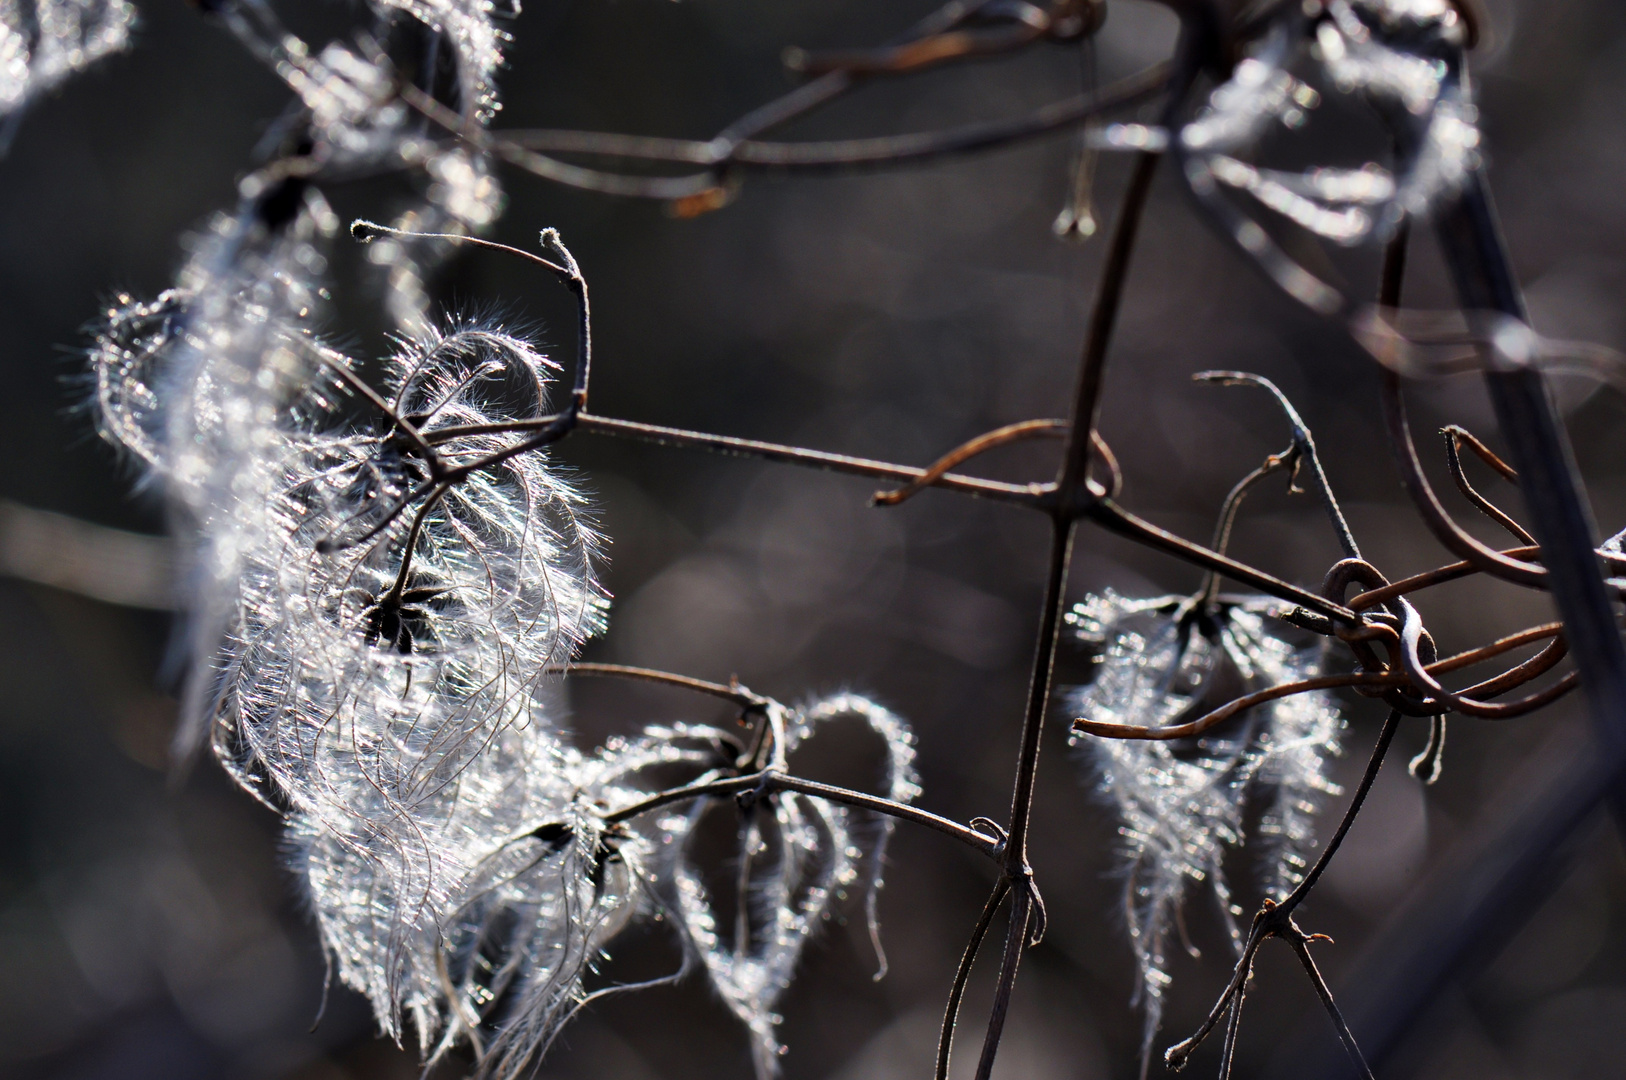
[(147, 927)]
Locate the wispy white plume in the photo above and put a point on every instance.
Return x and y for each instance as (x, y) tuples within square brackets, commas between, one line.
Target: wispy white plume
[(202, 385), (489, 941), (469, 27), (391, 704), (355, 122), (799, 854), (1401, 57), (392, 660), (1182, 804), (43, 42)]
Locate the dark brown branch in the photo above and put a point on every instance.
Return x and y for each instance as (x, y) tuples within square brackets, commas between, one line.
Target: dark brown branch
[(1086, 726), (1016, 941), (1538, 664), (520, 147), (1023, 494), (1304, 447), (1421, 677), (1496, 648), (1433, 512), (1176, 1056), (1373, 764), (1075, 492), (1233, 1026), (1227, 517), (1276, 918), (1109, 515), (1430, 578), (1073, 483)]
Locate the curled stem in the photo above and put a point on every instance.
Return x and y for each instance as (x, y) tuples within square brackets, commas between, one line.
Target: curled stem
[(1010, 433), (1227, 518), (1304, 447), (1087, 726), (1454, 437)]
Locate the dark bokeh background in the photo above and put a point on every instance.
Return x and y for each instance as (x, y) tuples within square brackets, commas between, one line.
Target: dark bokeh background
[(149, 931)]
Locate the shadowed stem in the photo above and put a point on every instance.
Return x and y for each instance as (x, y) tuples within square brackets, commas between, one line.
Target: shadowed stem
[(1103, 320), (735, 692), (1386, 736), (1471, 239), (1301, 946), (530, 150), (1233, 1026), (1074, 496), (1023, 494), (1114, 518), (1227, 518), (1004, 436)]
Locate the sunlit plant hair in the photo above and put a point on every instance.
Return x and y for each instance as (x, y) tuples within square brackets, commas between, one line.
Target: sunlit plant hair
[(202, 388), (1182, 806), (799, 854), (44, 42), (363, 603), (387, 571)]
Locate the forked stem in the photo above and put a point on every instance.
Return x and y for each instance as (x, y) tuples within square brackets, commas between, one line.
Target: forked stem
[(1303, 445), (1275, 919), (962, 975)]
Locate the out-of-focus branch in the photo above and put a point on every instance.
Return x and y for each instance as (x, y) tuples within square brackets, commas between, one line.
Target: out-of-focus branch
[(110, 565)]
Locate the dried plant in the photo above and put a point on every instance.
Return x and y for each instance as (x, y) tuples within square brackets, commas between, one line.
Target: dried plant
[(1183, 804), (387, 574)]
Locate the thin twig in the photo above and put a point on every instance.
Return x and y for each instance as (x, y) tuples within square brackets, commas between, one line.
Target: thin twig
[(1022, 494), (962, 975), (1227, 516), (1496, 648), (1086, 726), (1275, 918), (1109, 515), (1233, 1025), (774, 780), (521, 148), (1304, 443), (1386, 735), (735, 692), (1074, 494), (1439, 521), (1103, 320), (1301, 946)]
